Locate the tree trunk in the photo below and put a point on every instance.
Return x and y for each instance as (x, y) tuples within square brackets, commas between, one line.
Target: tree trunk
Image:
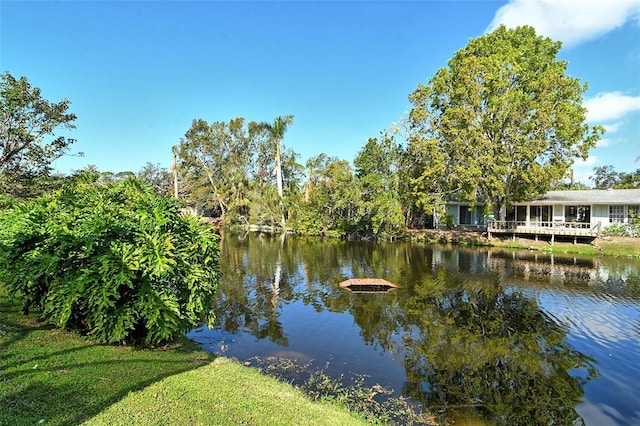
[(307, 193), (174, 168), (500, 210), (279, 183), (278, 170)]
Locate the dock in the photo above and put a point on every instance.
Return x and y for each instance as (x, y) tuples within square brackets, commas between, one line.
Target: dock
[(368, 285)]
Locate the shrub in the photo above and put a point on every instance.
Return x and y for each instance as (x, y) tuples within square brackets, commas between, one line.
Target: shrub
[(117, 262), (448, 221), (617, 230), (6, 202)]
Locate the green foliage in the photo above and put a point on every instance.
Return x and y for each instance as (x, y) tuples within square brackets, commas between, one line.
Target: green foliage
[(501, 122), (215, 161), (6, 202), (377, 168), (605, 177), (631, 229), (628, 180), (335, 206), (276, 131), (26, 121), (228, 170), (157, 177), (617, 230), (376, 404), (448, 221), (116, 261)]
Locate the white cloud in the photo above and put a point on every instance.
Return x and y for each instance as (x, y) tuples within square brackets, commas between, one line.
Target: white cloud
[(570, 21), (610, 106), (613, 127)]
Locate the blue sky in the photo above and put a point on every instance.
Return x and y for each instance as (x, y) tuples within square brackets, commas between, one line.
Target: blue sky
[(138, 73)]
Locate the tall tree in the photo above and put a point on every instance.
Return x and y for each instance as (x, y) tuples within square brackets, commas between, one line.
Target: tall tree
[(215, 160), (605, 177), (501, 122), (315, 165), (628, 180), (26, 121), (157, 177), (377, 168), (334, 207), (276, 131)]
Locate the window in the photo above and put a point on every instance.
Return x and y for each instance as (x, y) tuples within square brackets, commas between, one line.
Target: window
[(616, 214), (511, 213), (577, 214), (471, 216), (541, 213)]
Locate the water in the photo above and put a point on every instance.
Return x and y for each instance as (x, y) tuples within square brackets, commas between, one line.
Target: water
[(489, 336)]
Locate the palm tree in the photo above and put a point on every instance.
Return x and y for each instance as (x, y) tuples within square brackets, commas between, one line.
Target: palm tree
[(276, 133)]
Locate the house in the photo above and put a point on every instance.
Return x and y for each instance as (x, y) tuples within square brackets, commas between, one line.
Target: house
[(592, 206), (571, 213)]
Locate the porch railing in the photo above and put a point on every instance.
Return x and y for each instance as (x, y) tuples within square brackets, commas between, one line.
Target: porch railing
[(544, 227)]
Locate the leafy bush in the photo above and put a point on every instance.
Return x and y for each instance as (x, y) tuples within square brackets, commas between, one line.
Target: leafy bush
[(617, 230), (448, 221), (117, 262), (6, 202), (631, 229)]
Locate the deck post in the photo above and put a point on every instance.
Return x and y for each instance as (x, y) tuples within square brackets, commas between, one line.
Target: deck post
[(553, 234)]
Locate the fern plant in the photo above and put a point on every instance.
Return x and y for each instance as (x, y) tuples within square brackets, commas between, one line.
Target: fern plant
[(117, 262)]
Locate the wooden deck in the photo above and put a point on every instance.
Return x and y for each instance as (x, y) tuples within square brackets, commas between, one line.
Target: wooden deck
[(575, 230), (368, 285)]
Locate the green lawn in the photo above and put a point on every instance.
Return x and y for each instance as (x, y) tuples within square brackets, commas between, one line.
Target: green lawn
[(53, 377)]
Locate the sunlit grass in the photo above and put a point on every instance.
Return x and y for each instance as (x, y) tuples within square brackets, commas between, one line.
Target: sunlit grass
[(53, 377), (629, 247), (222, 392)]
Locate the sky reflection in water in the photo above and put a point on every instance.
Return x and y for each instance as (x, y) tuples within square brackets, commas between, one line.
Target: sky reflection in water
[(505, 337)]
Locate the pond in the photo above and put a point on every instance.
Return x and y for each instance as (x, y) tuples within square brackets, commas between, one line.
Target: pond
[(472, 334)]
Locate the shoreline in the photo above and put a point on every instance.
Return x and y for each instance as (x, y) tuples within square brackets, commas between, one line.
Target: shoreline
[(605, 246)]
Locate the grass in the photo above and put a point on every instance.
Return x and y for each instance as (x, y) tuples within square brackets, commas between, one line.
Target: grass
[(53, 377), (624, 247), (222, 392)]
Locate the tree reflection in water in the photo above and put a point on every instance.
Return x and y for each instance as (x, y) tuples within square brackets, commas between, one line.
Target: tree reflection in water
[(470, 345)]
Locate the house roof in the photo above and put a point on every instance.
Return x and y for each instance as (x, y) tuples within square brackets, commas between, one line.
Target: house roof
[(590, 196)]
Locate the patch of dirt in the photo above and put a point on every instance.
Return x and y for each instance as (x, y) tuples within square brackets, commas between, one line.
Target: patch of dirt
[(459, 235), (474, 237), (621, 240)]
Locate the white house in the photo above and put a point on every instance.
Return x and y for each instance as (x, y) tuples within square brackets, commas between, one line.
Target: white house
[(592, 206), (583, 208)]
